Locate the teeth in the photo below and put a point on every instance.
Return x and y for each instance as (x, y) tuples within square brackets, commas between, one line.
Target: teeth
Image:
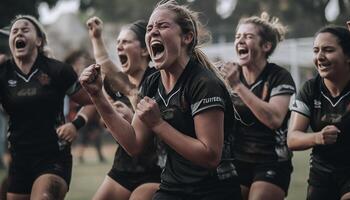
[(155, 42)]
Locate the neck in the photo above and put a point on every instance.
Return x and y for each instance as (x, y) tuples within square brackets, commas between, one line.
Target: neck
[(335, 87), (173, 72), (252, 72), (26, 63), (136, 77)]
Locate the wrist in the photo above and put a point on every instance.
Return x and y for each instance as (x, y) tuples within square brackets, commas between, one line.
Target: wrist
[(158, 126), (236, 87), (79, 122), (101, 59), (318, 139)]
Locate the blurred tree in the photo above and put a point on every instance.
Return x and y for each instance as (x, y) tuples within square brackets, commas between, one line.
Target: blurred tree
[(9, 9), (303, 17)]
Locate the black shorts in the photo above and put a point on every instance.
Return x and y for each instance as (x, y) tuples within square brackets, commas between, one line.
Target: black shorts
[(277, 173), (224, 190), (328, 185), (24, 170), (131, 180)]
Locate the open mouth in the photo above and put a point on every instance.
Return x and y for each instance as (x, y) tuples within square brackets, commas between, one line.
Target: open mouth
[(157, 49), (242, 51), (123, 59), (20, 44)]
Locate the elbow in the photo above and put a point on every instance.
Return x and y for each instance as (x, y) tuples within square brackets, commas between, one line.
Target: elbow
[(213, 161), (213, 164), (292, 144), (274, 124), (133, 152)]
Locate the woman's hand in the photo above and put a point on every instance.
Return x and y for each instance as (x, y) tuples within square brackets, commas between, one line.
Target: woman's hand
[(148, 111), (67, 132), (91, 79), (95, 26), (230, 71), (328, 135)]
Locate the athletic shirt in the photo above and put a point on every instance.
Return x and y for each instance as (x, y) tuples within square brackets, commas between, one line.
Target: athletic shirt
[(254, 141), (315, 102), (34, 103), (196, 90), (148, 159)]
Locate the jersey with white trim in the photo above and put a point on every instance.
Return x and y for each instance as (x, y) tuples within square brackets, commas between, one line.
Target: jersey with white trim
[(197, 90), (34, 103), (148, 159), (254, 141), (315, 102)]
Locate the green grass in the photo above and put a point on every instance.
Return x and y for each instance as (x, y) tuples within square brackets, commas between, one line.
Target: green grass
[(88, 176)]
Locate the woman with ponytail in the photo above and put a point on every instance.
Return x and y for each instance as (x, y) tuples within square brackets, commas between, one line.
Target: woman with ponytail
[(185, 104), (261, 95)]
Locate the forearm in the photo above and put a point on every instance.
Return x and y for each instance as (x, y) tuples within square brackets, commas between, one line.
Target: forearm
[(299, 141), (262, 110), (120, 129), (118, 80), (190, 148)]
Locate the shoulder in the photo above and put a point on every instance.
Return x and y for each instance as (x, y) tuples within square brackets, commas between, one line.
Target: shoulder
[(276, 70), (312, 85), (5, 66), (53, 64), (150, 84), (56, 68)]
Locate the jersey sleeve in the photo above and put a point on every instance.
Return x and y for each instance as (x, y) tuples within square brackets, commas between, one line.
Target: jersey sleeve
[(282, 83), (205, 94), (69, 80), (302, 101)]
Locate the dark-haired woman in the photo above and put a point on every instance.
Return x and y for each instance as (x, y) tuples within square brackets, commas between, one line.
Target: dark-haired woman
[(323, 103)]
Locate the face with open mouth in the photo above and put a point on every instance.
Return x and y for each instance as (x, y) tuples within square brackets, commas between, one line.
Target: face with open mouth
[(130, 52), (329, 58), (164, 38), (248, 45), (23, 40)]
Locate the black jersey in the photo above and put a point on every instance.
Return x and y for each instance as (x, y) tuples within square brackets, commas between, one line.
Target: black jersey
[(316, 103), (196, 90), (122, 160), (34, 103), (255, 142)]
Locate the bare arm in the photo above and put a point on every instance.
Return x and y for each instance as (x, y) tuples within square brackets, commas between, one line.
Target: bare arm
[(132, 137), (299, 139), (118, 80), (204, 150), (81, 97), (270, 113)]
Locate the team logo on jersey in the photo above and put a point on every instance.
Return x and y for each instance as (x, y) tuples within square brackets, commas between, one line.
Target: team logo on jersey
[(317, 103), (12, 83), (44, 79), (118, 94), (270, 174)]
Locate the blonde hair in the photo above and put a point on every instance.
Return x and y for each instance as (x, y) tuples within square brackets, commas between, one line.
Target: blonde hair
[(270, 29), (189, 22)]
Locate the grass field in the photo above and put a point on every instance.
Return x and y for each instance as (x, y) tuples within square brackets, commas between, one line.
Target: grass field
[(89, 175)]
